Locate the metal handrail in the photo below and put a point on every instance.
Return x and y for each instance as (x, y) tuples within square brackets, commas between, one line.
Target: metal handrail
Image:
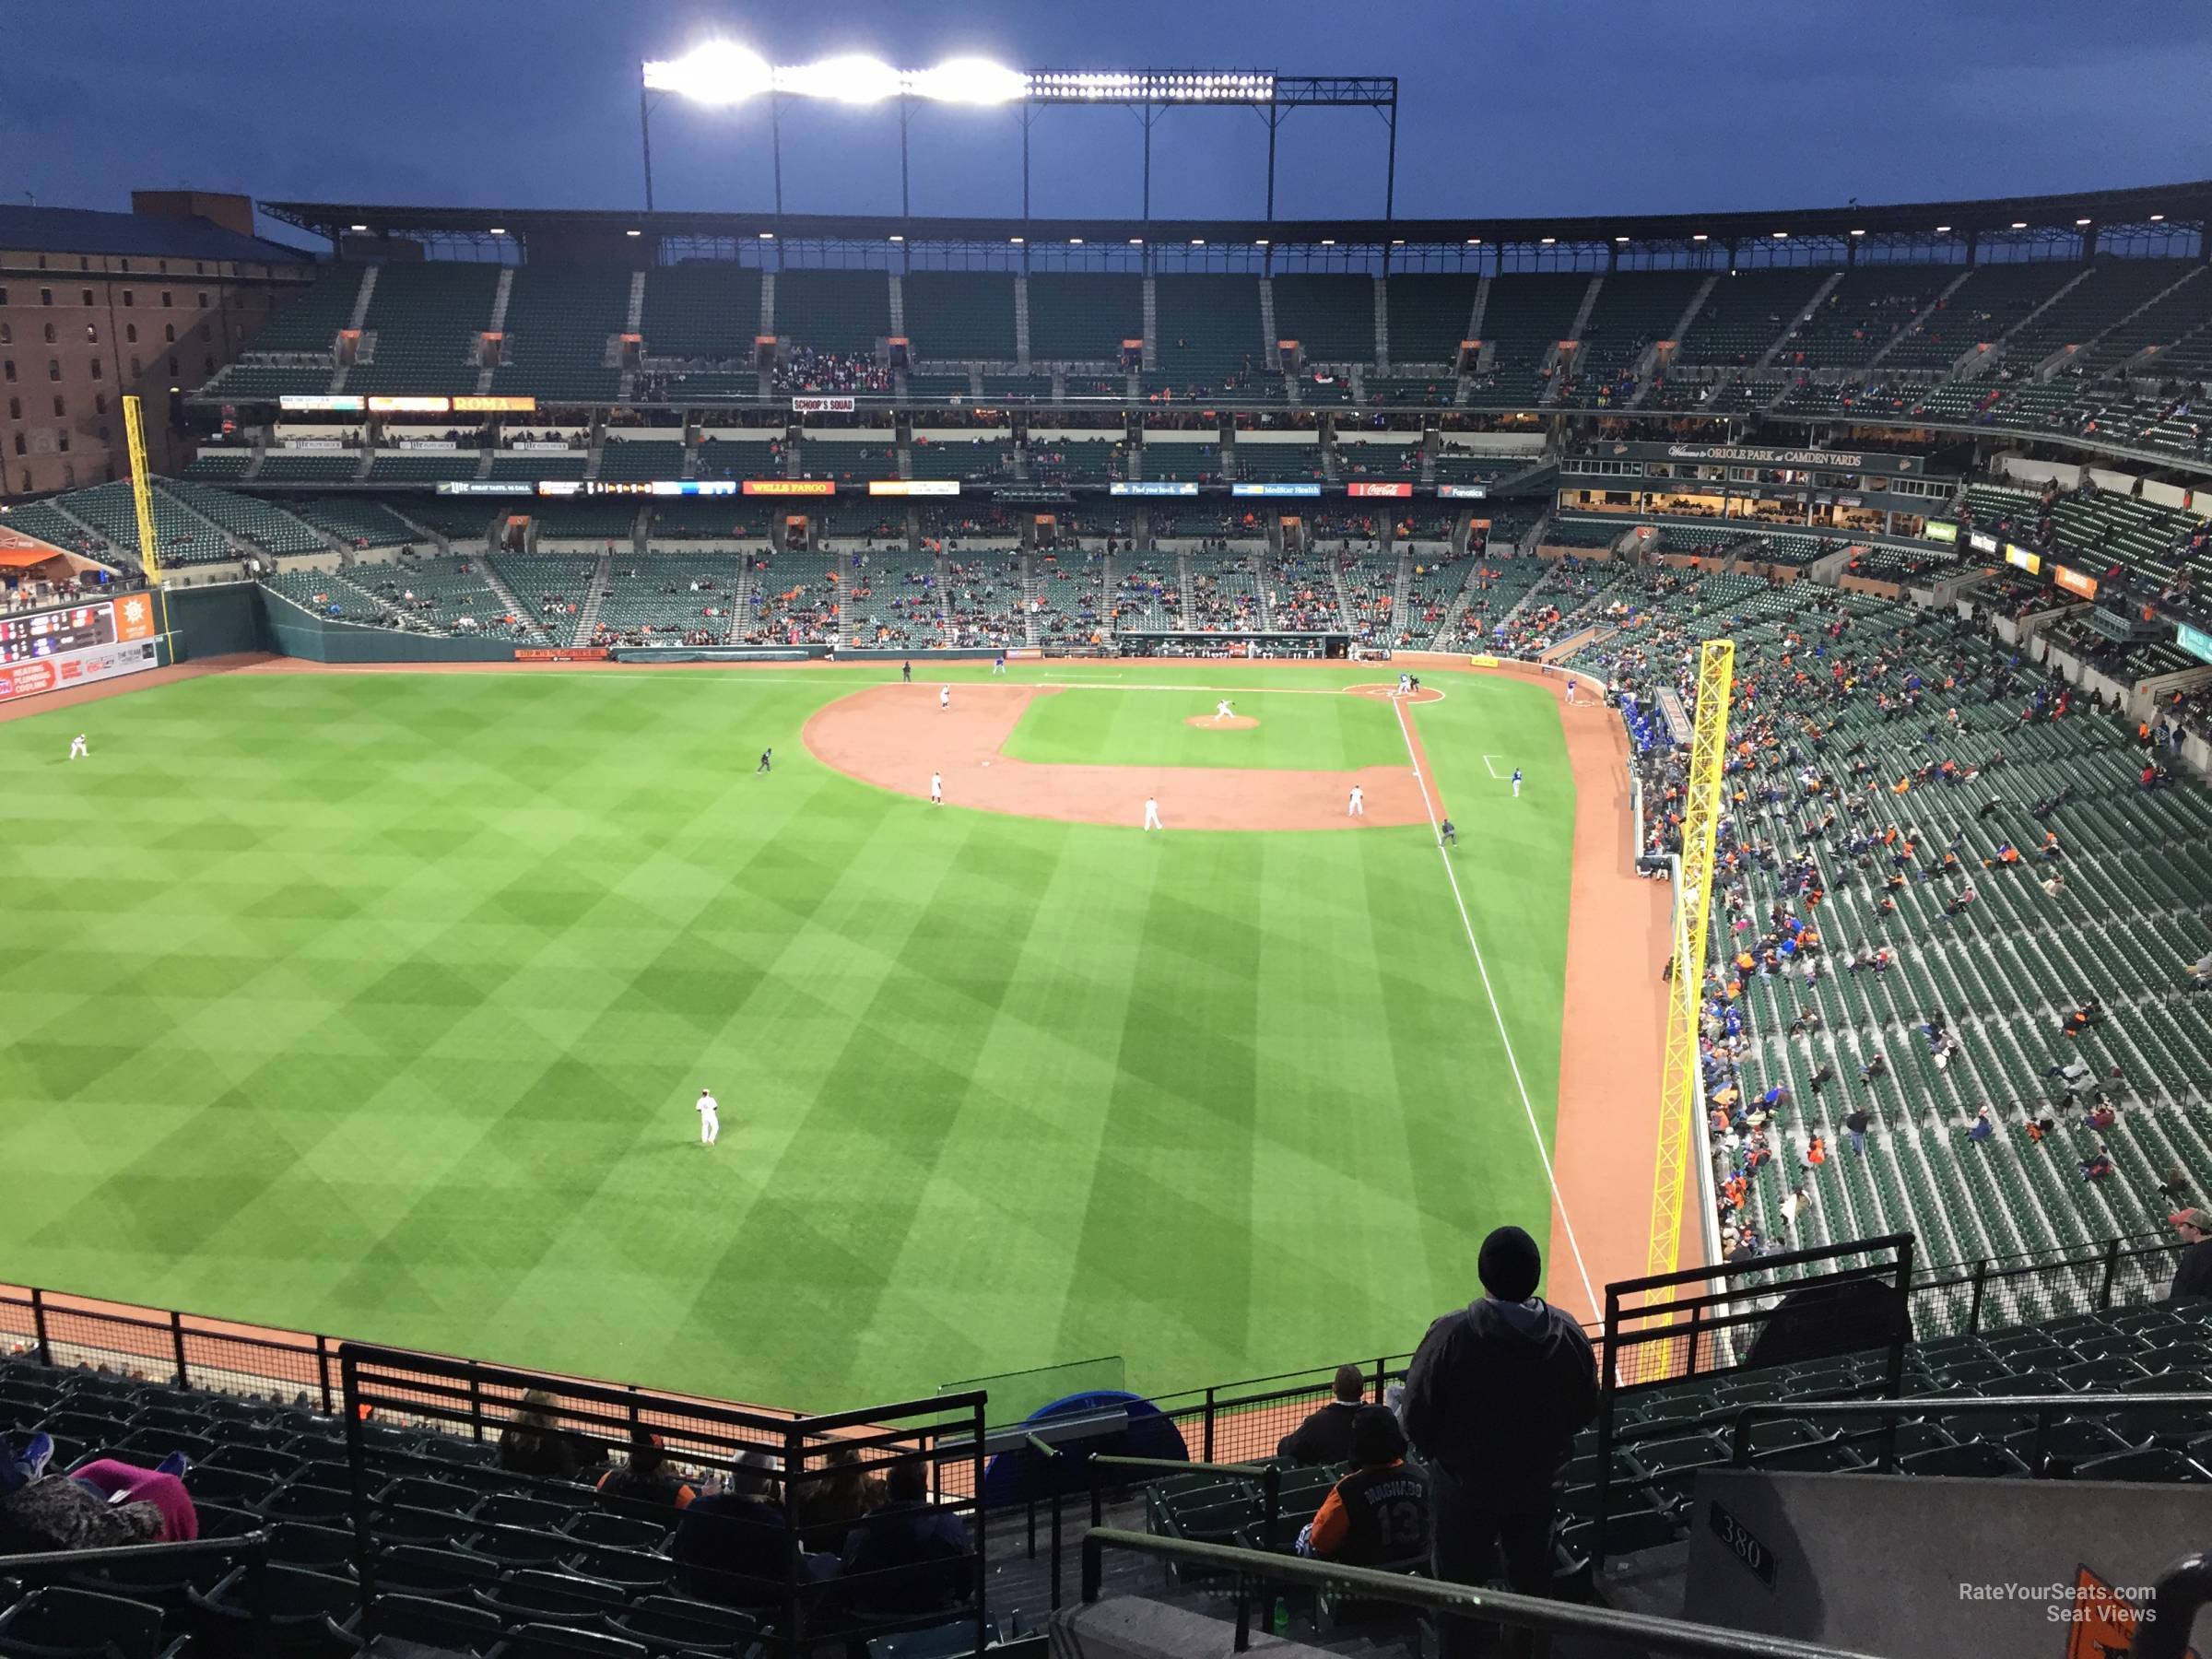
[(1522, 1612), (1271, 1503), (251, 1547), (2182, 1590)]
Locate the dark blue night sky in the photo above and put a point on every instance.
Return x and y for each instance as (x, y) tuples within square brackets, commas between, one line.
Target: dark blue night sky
[(1509, 106)]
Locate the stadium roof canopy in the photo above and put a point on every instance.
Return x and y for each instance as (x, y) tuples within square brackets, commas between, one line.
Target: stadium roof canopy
[(2173, 205), (133, 235)]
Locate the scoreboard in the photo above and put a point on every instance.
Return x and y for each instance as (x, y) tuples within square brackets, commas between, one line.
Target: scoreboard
[(51, 633)]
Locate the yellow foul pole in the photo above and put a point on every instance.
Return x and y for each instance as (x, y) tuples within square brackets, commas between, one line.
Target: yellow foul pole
[(142, 498), (1680, 1128)]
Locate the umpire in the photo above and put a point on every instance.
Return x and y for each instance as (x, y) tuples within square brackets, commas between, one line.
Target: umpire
[(1493, 1400)]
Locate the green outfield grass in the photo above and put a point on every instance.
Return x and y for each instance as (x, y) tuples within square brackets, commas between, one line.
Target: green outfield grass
[(376, 1004)]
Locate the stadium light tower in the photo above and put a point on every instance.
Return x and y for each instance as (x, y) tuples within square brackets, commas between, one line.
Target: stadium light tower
[(722, 73)]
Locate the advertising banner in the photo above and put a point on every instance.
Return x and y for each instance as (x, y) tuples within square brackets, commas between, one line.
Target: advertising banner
[(821, 405), (2196, 642), (2074, 581), (134, 618), (1744, 455), (1941, 530), (789, 487), (1981, 541), (318, 446), (559, 487), (561, 654), (1274, 490), (487, 486), (2031, 562), (409, 405), (695, 487), (1463, 492), (317, 400), (1150, 486), (1033, 494), (424, 443), (915, 487), (472, 405), (542, 444), (77, 668), (1359, 487)]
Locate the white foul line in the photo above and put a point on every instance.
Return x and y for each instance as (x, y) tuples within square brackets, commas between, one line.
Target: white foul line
[(1558, 1201)]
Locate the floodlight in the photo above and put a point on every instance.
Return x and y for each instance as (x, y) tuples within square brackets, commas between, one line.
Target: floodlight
[(1858, 232), (2079, 223), (361, 228), (969, 81), (1699, 237), (2020, 224), (2158, 218), (714, 72), (1941, 228), (498, 230), (1549, 240), (1075, 241), (854, 79), (633, 232)]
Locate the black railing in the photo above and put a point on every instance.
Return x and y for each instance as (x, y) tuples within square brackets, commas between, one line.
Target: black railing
[(2170, 1615), (2045, 1407), (249, 1549), (1632, 1630)]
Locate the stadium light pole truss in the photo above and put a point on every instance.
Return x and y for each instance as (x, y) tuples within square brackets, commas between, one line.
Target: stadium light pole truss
[(1682, 1074), (723, 73), (142, 504)]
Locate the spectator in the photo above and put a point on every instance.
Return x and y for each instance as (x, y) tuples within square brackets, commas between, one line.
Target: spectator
[(2193, 1274), (1377, 1515), (104, 1504), (1493, 1399), (2097, 1166), (2200, 973), (536, 1443), (1982, 1128), (1325, 1437), (845, 1493), (645, 1484), (1855, 1123), (731, 1546), (911, 1556)]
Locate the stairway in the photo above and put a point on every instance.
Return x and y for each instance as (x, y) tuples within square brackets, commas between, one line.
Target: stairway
[(1645, 369), (1033, 586), (2080, 277), (1182, 582), (498, 300), (1268, 337), (898, 308), (1926, 312), (768, 302), (1021, 327), (1381, 327), (634, 320), (361, 297), (2183, 281), (1344, 600), (1482, 304), (1401, 589), (497, 584), (741, 599), (1820, 299), (1582, 317), (587, 615), (1151, 329), (1458, 607)]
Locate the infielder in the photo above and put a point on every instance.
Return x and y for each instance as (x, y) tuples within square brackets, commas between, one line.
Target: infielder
[(710, 1118), (1358, 807), (77, 751), (1152, 814), (944, 698), (937, 789), (999, 664), (1516, 782)]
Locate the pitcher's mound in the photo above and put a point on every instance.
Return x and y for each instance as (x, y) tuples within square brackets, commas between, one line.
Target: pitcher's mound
[(1215, 723)]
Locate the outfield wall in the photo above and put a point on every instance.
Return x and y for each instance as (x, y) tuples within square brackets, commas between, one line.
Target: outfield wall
[(225, 620)]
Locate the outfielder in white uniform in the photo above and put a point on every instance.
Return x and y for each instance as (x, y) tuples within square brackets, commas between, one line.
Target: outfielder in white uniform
[(944, 697), (1516, 782), (937, 789), (77, 751), (710, 1119), (1358, 807), (1152, 814)]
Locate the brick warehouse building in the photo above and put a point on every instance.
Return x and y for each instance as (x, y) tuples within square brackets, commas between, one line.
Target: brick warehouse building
[(94, 305)]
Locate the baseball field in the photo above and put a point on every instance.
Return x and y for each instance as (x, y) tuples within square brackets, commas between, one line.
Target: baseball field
[(376, 1004)]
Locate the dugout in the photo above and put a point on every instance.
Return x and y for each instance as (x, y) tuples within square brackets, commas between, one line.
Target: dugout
[(1276, 646)]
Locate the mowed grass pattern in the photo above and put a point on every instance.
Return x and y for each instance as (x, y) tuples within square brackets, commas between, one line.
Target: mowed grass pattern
[(1148, 725), (375, 1004)]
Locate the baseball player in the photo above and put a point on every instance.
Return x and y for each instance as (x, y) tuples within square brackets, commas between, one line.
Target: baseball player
[(944, 698), (1516, 782), (764, 766), (1447, 834), (1404, 684), (1152, 814), (937, 789), (906, 673), (999, 664), (710, 1118), (1359, 805), (1223, 710), (77, 751)]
